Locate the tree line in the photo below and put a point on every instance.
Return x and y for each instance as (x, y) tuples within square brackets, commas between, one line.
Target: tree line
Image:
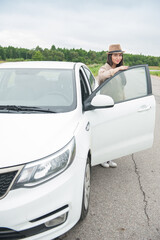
[(11, 53)]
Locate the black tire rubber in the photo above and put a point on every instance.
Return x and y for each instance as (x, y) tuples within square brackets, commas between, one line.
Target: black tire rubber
[(86, 190)]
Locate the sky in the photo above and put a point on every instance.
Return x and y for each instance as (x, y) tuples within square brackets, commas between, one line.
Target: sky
[(87, 24)]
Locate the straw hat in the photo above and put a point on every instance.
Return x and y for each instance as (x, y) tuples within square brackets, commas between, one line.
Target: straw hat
[(115, 48)]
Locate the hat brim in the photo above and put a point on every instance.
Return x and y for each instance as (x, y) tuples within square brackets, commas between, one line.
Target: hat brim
[(117, 51)]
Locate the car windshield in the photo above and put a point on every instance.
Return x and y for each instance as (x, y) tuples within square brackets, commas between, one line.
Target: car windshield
[(47, 89)]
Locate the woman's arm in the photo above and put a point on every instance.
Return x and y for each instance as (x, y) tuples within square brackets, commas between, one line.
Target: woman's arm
[(103, 73)]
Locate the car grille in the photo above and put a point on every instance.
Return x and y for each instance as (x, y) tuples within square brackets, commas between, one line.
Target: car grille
[(9, 234), (7, 178), (5, 181)]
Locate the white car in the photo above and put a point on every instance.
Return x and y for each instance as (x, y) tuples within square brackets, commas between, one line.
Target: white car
[(55, 125)]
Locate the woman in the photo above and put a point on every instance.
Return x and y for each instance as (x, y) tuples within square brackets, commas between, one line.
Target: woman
[(113, 65)]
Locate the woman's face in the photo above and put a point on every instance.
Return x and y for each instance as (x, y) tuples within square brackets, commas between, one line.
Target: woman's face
[(116, 58)]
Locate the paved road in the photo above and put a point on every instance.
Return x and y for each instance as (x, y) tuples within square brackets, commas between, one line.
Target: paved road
[(125, 202)]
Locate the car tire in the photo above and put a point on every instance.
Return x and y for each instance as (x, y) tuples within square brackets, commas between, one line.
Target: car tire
[(86, 190)]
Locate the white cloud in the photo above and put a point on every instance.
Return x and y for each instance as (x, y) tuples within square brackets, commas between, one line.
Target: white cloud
[(20, 39), (81, 24)]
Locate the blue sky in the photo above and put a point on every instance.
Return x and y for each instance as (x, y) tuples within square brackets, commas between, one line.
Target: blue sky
[(87, 24)]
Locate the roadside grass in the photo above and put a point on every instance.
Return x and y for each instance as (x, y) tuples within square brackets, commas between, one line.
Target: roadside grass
[(94, 68), (155, 73), (154, 68)]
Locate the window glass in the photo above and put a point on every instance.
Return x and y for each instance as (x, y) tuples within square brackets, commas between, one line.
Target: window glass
[(84, 87), (126, 85), (50, 88), (90, 78)]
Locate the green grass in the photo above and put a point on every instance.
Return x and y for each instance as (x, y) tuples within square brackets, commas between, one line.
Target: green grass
[(154, 68), (155, 73), (94, 68)]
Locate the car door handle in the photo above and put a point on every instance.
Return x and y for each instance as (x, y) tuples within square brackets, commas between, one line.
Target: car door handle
[(88, 126), (144, 108)]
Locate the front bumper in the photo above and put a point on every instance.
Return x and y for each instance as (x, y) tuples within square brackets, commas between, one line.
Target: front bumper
[(24, 212)]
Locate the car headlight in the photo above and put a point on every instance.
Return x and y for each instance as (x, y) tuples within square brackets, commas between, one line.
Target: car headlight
[(42, 170)]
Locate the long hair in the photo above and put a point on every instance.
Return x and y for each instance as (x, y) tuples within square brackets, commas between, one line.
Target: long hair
[(109, 61)]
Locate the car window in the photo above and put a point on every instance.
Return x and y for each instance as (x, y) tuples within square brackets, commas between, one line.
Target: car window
[(84, 87), (126, 85), (90, 77)]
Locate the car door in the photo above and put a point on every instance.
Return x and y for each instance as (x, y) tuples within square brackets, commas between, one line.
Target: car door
[(128, 126)]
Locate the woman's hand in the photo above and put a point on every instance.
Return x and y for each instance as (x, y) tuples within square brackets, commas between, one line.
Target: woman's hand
[(121, 68)]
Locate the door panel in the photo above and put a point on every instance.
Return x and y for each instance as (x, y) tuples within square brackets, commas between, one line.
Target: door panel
[(121, 130), (127, 127)]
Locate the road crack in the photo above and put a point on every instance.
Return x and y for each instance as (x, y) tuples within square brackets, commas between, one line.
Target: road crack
[(141, 189)]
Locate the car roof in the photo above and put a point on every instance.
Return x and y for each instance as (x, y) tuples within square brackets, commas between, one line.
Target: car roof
[(38, 64)]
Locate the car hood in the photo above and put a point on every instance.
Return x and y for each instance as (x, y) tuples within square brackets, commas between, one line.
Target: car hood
[(28, 137)]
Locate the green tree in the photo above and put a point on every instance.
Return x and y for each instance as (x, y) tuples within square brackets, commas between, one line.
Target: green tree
[(2, 53), (57, 55), (47, 55), (76, 55), (53, 48), (39, 49), (37, 56)]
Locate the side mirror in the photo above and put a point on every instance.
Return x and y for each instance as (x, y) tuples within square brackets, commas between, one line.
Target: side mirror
[(99, 101)]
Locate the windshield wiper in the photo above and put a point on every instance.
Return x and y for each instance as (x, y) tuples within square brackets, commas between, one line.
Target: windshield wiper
[(16, 108), (9, 108), (35, 109)]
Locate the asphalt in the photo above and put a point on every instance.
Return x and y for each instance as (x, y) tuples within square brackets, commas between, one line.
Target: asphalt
[(125, 202)]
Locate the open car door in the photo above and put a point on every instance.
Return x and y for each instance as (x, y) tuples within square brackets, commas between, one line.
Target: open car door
[(128, 126)]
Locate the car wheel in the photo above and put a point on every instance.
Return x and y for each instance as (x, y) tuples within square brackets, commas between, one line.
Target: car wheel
[(86, 190)]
